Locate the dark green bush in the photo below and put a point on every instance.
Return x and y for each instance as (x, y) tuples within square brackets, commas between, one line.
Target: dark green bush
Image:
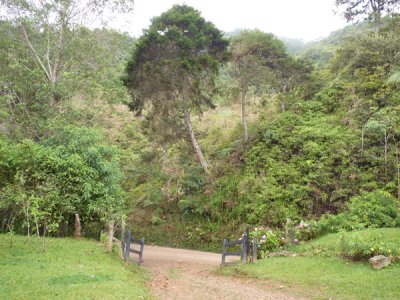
[(71, 172), (370, 210)]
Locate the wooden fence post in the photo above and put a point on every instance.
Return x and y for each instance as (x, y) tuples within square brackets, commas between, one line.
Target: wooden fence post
[(128, 245), (223, 252), (244, 246), (141, 250), (123, 239), (254, 249), (248, 241)]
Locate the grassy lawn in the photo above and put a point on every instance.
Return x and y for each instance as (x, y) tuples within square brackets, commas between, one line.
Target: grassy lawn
[(325, 275), (69, 269)]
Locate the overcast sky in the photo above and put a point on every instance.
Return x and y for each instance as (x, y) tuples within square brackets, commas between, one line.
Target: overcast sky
[(303, 19)]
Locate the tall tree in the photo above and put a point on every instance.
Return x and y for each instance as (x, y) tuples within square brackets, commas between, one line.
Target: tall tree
[(173, 69), (373, 9), (256, 58), (97, 59), (47, 29)]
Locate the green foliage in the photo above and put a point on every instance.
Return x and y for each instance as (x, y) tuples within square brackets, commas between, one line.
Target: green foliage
[(267, 241), (369, 210), (363, 246), (306, 230), (372, 9), (181, 53), (293, 169), (70, 172), (194, 181)]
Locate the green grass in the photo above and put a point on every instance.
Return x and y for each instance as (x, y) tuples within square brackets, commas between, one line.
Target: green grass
[(69, 269), (325, 275), (330, 244)]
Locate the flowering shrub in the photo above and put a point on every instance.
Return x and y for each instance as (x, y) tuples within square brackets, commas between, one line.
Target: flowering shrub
[(306, 231), (266, 240)]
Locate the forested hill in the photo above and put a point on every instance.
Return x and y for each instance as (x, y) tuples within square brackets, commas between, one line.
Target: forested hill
[(187, 137), (321, 51)]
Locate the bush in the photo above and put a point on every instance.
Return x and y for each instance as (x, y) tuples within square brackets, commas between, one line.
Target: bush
[(68, 173), (267, 240), (307, 231), (363, 246), (371, 210)]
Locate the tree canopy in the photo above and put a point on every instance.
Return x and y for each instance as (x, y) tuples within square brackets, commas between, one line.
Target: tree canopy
[(173, 69), (372, 9)]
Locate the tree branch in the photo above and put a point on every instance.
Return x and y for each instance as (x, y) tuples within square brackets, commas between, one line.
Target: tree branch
[(34, 52)]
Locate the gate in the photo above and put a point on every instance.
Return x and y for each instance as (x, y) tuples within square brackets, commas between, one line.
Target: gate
[(247, 249), (126, 241)]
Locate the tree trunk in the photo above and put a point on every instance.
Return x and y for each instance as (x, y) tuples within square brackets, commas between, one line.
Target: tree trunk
[(244, 121), (378, 21), (53, 95), (164, 189), (386, 150), (282, 99), (26, 209), (164, 157), (362, 139), (195, 144), (398, 172), (110, 235), (189, 127), (123, 226), (78, 228)]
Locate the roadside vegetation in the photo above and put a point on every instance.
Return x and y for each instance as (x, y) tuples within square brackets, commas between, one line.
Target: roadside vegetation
[(186, 136), (325, 267), (69, 269)]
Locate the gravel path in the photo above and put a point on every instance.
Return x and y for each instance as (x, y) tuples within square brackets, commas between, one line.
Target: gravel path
[(186, 274)]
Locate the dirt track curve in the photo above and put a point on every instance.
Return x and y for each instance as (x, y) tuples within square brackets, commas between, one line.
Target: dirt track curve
[(187, 274)]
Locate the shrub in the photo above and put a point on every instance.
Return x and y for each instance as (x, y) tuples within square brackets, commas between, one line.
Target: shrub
[(267, 240), (363, 246), (306, 231), (370, 210), (71, 172)]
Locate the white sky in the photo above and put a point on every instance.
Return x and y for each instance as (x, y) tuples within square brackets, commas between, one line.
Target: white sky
[(303, 19)]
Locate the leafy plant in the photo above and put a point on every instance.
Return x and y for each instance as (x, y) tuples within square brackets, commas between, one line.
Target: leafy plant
[(359, 247), (266, 240), (369, 210)]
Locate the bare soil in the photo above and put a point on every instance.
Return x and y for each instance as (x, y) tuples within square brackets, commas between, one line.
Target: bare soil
[(186, 274)]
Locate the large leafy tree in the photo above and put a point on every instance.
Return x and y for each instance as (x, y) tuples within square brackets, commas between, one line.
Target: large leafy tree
[(373, 9), (47, 184), (173, 69), (49, 31), (97, 58), (260, 58)]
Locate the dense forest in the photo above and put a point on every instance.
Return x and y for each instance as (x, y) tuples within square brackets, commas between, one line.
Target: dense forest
[(187, 135)]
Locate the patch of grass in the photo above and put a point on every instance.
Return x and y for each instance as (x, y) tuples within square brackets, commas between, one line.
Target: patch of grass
[(330, 245), (328, 276), (69, 269)]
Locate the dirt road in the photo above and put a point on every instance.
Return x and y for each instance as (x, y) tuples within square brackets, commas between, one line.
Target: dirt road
[(186, 274)]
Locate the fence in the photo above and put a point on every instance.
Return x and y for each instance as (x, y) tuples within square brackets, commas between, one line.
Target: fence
[(126, 241), (244, 252)]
